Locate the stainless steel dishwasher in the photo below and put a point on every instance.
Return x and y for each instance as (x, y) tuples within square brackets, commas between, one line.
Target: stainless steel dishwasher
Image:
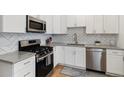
[(96, 59)]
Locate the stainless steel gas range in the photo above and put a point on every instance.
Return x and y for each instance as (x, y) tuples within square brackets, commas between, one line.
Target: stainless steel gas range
[(44, 55)]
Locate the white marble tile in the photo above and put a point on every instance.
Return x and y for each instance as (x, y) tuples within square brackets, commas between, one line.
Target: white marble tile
[(84, 38), (9, 41)]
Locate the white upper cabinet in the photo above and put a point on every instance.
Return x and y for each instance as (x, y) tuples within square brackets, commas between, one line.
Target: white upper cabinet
[(98, 24), (56, 24), (94, 24), (75, 21), (49, 24), (80, 21), (111, 24), (63, 24), (90, 24), (71, 21), (13, 23)]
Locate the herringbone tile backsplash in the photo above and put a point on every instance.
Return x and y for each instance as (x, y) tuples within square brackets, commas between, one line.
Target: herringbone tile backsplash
[(9, 41), (84, 38)]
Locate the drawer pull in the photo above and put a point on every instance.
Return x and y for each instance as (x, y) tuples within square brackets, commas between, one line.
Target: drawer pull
[(27, 74), (26, 63)]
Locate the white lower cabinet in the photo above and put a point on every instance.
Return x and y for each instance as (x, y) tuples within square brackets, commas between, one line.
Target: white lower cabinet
[(59, 55), (72, 56), (115, 62), (24, 68), (80, 57), (75, 56)]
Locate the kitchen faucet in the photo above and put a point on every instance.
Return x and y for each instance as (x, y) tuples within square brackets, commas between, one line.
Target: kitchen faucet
[(75, 38)]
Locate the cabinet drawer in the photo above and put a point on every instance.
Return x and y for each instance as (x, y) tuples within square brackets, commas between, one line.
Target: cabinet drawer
[(27, 72), (115, 52), (24, 64)]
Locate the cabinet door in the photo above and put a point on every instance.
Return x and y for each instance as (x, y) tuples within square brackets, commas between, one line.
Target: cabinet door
[(63, 24), (14, 23), (115, 64), (80, 20), (49, 24), (59, 55), (80, 58), (70, 56), (71, 21), (98, 24), (56, 24), (111, 24), (90, 24)]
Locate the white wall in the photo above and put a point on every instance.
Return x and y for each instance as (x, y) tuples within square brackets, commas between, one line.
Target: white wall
[(121, 32)]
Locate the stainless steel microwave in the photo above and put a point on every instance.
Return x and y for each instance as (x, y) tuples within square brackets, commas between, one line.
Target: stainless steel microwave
[(35, 25)]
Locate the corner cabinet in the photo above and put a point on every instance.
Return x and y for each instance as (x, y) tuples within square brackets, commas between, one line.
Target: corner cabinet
[(13, 23), (115, 62)]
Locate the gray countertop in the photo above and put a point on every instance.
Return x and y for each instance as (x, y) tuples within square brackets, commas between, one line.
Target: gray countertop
[(16, 56), (89, 46)]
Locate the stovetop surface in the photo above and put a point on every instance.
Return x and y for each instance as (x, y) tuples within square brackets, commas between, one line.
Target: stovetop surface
[(41, 50)]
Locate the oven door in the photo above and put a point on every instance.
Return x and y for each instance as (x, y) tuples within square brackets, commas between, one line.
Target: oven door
[(35, 25), (44, 66)]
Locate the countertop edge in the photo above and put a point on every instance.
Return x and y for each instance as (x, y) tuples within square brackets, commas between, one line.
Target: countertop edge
[(21, 59), (90, 46)]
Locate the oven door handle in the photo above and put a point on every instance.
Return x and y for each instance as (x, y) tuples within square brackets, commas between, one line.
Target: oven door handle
[(38, 59)]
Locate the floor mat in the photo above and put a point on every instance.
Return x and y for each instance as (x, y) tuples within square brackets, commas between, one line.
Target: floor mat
[(73, 72)]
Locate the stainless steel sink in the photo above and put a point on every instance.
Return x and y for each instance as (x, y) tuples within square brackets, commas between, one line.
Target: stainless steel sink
[(76, 44)]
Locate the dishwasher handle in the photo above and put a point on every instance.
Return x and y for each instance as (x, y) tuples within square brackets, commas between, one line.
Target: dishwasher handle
[(95, 50)]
